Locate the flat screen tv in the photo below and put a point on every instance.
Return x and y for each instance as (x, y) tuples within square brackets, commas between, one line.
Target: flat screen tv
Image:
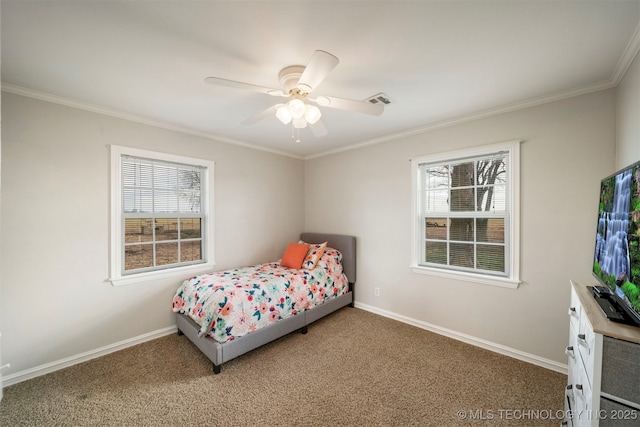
[(616, 262)]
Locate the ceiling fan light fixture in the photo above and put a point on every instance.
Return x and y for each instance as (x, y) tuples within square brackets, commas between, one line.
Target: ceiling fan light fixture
[(296, 108), (298, 81), (312, 114), (299, 122), (283, 114)]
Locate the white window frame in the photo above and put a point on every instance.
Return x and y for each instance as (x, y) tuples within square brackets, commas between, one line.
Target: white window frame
[(512, 230), (117, 277)]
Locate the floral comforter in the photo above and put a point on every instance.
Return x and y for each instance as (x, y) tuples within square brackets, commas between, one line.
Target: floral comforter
[(229, 304)]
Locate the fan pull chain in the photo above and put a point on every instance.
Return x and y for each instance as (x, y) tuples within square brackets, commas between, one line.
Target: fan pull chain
[(295, 137)]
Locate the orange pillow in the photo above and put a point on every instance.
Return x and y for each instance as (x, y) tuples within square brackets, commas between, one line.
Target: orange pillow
[(294, 255)]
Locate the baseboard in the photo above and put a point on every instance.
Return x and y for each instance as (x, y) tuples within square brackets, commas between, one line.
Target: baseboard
[(102, 351), (83, 357), (488, 345)]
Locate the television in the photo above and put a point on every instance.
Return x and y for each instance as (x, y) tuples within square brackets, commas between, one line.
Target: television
[(616, 262)]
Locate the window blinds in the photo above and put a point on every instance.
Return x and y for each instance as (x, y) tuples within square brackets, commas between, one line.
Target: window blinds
[(464, 209)]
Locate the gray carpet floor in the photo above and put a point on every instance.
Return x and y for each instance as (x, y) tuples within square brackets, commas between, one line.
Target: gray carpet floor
[(353, 368)]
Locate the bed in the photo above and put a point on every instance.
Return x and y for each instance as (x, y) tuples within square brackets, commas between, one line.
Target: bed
[(241, 294)]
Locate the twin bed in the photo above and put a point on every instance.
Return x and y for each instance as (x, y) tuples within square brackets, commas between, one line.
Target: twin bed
[(228, 313)]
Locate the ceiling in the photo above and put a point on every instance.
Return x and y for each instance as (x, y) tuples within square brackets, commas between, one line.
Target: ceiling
[(438, 62)]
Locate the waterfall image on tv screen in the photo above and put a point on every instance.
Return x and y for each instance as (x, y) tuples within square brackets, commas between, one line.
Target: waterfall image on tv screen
[(617, 252)]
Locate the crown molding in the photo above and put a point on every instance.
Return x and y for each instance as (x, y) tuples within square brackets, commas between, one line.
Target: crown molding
[(69, 102), (43, 96), (533, 102), (629, 54)]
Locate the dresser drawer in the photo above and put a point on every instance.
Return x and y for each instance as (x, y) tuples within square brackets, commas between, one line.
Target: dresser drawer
[(586, 345), (582, 400), (575, 310), (620, 363), (569, 407), (572, 349)]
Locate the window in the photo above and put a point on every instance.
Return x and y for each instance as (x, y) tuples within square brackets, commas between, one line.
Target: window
[(466, 214), (160, 215)]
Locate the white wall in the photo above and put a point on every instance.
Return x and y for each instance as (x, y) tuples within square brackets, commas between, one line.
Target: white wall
[(568, 148), (55, 237), (55, 302), (628, 117)]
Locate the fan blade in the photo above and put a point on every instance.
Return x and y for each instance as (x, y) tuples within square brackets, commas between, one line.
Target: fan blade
[(261, 115), (240, 85), (318, 129), (320, 64), (349, 105)]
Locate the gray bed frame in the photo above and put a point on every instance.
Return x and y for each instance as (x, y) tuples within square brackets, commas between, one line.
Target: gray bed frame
[(220, 353)]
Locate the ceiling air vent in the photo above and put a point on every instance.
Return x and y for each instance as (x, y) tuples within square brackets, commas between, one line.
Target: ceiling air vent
[(379, 98)]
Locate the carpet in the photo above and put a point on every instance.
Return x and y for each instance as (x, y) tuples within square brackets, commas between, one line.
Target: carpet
[(352, 368)]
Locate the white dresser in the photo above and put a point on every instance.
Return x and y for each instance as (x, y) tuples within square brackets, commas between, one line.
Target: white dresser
[(603, 386)]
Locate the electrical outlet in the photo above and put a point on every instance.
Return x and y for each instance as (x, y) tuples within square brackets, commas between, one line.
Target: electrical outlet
[(376, 291)]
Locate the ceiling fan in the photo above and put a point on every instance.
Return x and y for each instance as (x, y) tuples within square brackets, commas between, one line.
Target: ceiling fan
[(297, 84)]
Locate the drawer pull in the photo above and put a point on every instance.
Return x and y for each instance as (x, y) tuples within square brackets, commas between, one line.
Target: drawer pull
[(582, 340), (573, 312), (579, 392), (568, 391), (569, 352)]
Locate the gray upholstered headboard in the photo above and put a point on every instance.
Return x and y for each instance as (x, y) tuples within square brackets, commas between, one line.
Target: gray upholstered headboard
[(345, 244)]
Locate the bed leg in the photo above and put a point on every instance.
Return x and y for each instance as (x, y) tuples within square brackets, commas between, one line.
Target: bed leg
[(216, 369), (180, 332), (303, 330), (351, 305)]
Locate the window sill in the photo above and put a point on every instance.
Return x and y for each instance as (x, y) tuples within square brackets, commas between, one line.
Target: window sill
[(504, 282), (179, 272)]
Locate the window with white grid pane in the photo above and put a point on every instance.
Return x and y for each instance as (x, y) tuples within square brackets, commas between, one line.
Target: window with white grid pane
[(161, 210), (466, 214)]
